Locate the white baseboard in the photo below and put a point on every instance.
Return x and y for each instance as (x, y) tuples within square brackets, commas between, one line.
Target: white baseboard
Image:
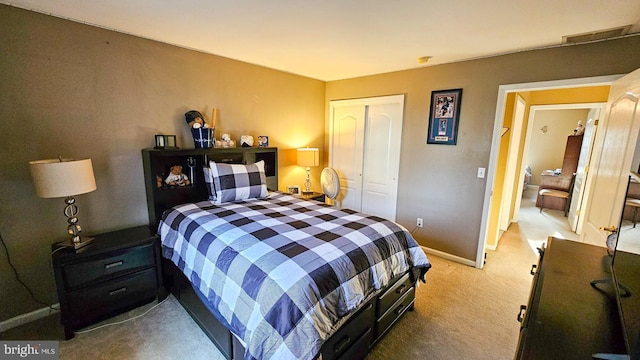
[(27, 318), (448, 256)]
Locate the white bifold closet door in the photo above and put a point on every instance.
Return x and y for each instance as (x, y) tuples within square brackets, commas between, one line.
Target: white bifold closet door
[(365, 139)]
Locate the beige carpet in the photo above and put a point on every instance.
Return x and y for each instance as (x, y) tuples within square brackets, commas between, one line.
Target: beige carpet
[(460, 313)]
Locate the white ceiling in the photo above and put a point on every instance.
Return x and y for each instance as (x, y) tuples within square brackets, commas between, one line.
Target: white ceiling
[(331, 39)]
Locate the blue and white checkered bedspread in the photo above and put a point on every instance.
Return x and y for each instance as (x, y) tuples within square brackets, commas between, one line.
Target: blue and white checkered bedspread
[(281, 272)]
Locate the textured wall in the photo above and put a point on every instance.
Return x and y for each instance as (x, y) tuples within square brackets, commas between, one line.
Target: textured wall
[(79, 91), (546, 150), (438, 183)]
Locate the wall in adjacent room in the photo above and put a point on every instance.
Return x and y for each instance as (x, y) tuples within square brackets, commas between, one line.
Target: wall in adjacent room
[(546, 149), (79, 91), (438, 182)]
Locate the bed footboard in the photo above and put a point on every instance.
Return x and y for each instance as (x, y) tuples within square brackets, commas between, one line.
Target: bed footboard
[(355, 338)]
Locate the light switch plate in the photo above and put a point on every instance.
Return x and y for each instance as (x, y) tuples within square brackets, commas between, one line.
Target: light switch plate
[(481, 172)]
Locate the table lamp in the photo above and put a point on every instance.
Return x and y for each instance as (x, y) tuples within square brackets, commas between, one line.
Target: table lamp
[(308, 157), (54, 178)]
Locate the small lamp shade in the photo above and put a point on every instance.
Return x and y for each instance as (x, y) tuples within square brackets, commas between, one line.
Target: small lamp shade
[(66, 178), (55, 178), (308, 157)]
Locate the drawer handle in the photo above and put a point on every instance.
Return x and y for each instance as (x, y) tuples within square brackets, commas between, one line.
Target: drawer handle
[(533, 269), (117, 291), (342, 344), (401, 289), (398, 309), (114, 264), (523, 308)]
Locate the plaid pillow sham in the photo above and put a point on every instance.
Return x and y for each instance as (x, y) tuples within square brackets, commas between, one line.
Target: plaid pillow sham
[(208, 179), (232, 182)]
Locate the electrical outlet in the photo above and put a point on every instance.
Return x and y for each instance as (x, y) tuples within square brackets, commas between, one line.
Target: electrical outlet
[(419, 222)]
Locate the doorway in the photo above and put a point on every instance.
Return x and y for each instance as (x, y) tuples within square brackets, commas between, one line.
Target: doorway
[(547, 136), (547, 131), (532, 93)]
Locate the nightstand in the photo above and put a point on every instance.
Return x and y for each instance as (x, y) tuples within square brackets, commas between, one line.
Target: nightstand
[(118, 272), (314, 196)]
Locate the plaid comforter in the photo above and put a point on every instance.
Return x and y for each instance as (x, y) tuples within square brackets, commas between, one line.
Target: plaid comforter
[(282, 273)]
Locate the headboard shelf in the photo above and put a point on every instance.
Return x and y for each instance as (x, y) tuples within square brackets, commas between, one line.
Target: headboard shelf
[(158, 162)]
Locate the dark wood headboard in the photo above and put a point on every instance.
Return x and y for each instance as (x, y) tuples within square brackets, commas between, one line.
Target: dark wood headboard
[(157, 162)]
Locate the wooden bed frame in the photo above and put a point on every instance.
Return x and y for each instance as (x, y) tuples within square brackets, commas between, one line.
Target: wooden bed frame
[(357, 335)]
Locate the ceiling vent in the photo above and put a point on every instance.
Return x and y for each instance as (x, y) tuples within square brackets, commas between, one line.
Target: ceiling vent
[(596, 35)]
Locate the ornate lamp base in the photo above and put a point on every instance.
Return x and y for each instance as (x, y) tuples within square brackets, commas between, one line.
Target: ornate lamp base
[(77, 244), (307, 184)]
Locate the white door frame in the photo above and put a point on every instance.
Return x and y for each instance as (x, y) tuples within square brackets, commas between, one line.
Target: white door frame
[(511, 168), (503, 90)]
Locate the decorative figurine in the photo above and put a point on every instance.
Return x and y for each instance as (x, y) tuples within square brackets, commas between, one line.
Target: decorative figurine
[(195, 119), (246, 141), (579, 130), (226, 141), (203, 136), (176, 177)]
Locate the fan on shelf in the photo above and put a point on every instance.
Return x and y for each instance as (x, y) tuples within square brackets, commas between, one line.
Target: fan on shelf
[(330, 183)]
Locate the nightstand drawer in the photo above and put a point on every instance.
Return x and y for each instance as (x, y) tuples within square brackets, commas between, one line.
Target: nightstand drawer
[(393, 294), (112, 295), (88, 271)]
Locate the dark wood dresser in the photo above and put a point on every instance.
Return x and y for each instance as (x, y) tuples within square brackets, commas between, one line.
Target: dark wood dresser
[(117, 272), (567, 318)]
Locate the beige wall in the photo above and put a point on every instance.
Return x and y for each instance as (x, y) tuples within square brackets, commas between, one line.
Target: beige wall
[(438, 183), (546, 150), (78, 91)]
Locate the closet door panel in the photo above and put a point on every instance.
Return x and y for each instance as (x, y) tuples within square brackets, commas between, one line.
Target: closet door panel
[(381, 160), (348, 125), (365, 139)]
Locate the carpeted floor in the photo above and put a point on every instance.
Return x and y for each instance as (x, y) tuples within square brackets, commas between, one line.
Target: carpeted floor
[(460, 313)]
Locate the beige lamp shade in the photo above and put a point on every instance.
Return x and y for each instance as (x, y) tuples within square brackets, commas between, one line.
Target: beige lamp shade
[(55, 178), (308, 157)]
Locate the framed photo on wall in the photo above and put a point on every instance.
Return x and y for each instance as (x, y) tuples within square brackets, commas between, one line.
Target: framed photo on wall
[(444, 115)]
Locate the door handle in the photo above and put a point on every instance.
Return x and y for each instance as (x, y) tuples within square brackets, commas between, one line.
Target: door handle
[(523, 308), (611, 228)]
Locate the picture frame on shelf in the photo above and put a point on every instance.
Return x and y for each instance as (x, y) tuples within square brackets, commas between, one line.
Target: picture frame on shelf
[(293, 189), (165, 142), (444, 117)]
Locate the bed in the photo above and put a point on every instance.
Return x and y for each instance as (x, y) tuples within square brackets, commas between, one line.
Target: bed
[(271, 276)]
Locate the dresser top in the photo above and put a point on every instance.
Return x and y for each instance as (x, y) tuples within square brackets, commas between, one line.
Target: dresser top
[(573, 320)]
